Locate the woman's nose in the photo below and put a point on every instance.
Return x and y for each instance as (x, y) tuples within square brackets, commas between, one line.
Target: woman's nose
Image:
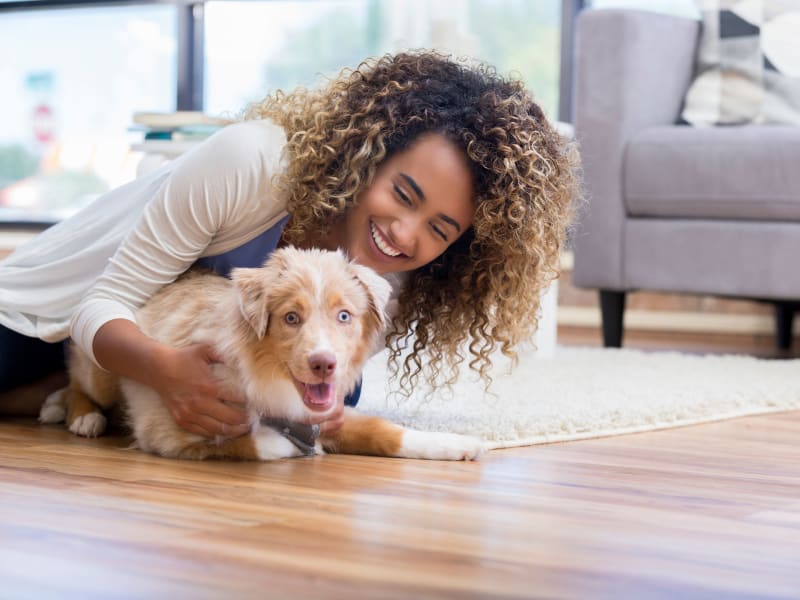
[(404, 234)]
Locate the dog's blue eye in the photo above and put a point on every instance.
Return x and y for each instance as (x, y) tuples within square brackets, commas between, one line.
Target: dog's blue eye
[(344, 316), (292, 318)]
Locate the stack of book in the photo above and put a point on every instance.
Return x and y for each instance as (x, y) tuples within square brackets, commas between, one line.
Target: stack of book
[(178, 126), (168, 135)]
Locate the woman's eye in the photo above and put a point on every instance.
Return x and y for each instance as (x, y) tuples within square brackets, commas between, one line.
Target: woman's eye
[(292, 318), (403, 196), (344, 316), (440, 233)]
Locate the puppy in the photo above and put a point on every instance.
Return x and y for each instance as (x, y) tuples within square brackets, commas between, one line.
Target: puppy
[(293, 335)]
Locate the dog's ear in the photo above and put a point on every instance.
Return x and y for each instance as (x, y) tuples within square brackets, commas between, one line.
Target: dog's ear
[(253, 304), (378, 292)]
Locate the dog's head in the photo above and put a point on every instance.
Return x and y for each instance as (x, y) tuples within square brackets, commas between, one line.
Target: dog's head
[(311, 319)]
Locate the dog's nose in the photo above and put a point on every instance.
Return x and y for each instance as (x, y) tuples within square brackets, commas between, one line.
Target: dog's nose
[(323, 364)]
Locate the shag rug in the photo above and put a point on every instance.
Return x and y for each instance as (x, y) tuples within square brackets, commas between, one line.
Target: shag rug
[(588, 393)]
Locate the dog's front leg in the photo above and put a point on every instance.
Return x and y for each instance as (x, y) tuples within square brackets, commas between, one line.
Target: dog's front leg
[(363, 434), (263, 443), (271, 444)]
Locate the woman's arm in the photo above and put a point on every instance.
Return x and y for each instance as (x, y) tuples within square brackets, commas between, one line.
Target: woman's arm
[(221, 188), (216, 187), (181, 376)]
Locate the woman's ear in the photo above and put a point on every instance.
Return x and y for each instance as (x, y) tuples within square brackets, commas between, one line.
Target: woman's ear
[(252, 294)]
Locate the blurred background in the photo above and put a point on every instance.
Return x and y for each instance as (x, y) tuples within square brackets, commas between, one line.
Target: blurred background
[(79, 73), (74, 73)]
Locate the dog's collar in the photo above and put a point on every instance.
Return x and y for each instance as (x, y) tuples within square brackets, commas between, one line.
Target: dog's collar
[(301, 435)]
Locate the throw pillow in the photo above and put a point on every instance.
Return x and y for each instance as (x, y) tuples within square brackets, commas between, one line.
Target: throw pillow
[(748, 64)]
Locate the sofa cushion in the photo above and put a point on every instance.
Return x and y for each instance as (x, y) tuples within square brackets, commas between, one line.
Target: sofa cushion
[(750, 172), (748, 64)]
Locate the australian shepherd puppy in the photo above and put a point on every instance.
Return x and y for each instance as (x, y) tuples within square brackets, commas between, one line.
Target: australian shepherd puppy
[(293, 335)]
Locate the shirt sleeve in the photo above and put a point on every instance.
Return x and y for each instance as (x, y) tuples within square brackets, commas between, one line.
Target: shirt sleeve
[(207, 189)]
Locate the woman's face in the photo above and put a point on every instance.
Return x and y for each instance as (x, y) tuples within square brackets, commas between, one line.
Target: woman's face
[(420, 202)]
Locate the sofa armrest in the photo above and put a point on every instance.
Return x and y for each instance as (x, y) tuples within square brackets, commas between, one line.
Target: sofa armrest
[(632, 69)]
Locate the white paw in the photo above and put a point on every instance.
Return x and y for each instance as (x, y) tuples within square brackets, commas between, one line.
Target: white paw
[(54, 409), (89, 425), (271, 445), (440, 446)]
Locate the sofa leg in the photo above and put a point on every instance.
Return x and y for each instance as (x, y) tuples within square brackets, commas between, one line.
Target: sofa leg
[(612, 309), (784, 320)]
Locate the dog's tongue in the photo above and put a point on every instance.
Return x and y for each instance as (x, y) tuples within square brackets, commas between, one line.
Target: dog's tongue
[(319, 393)]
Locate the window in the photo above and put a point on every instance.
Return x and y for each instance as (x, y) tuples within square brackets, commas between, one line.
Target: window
[(66, 104), (254, 48)]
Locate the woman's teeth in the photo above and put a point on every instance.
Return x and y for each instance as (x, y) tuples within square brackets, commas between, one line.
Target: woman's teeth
[(381, 244)]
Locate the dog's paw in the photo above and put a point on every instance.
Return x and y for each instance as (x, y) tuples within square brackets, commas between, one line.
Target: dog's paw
[(271, 445), (440, 446), (91, 424), (54, 409)]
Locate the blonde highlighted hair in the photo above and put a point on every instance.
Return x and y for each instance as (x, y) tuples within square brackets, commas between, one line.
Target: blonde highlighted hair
[(483, 293)]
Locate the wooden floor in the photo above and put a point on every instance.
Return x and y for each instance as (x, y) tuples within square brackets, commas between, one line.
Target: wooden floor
[(710, 511)]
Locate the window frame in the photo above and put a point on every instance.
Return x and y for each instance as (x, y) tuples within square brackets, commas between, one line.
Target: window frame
[(189, 38), (191, 58), (191, 35)]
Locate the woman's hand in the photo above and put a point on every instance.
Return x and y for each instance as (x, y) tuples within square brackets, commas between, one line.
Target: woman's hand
[(182, 376), (194, 397)]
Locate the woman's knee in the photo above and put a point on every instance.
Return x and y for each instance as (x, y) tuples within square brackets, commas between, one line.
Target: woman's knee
[(24, 359)]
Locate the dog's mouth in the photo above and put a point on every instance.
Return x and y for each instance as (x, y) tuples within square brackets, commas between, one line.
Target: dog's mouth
[(317, 396)]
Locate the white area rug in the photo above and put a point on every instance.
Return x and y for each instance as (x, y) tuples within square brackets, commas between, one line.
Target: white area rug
[(586, 393)]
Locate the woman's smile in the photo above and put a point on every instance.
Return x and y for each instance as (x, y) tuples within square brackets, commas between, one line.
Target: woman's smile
[(419, 202), (382, 244)]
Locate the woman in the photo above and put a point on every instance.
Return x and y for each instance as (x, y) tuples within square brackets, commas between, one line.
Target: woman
[(444, 177)]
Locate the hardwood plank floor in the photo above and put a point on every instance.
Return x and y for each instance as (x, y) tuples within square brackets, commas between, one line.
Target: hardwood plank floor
[(708, 511), (711, 511)]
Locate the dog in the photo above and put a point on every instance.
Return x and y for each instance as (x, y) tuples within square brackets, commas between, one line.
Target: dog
[(293, 336)]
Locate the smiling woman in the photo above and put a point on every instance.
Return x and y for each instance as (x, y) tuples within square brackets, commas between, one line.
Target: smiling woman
[(479, 237), (419, 203), (440, 174)]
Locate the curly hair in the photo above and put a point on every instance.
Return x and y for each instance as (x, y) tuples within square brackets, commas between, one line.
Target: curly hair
[(483, 292)]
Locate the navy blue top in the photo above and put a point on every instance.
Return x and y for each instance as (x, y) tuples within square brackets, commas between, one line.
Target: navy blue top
[(253, 254), (249, 254)]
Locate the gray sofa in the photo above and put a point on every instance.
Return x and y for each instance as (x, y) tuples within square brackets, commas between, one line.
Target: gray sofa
[(674, 208)]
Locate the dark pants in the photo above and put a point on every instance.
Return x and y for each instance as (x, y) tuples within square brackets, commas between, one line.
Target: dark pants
[(25, 359)]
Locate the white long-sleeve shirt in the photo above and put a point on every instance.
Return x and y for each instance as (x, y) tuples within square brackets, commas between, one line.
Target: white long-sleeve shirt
[(110, 258)]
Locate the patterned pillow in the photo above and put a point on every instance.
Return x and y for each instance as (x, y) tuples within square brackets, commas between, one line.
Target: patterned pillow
[(748, 64)]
